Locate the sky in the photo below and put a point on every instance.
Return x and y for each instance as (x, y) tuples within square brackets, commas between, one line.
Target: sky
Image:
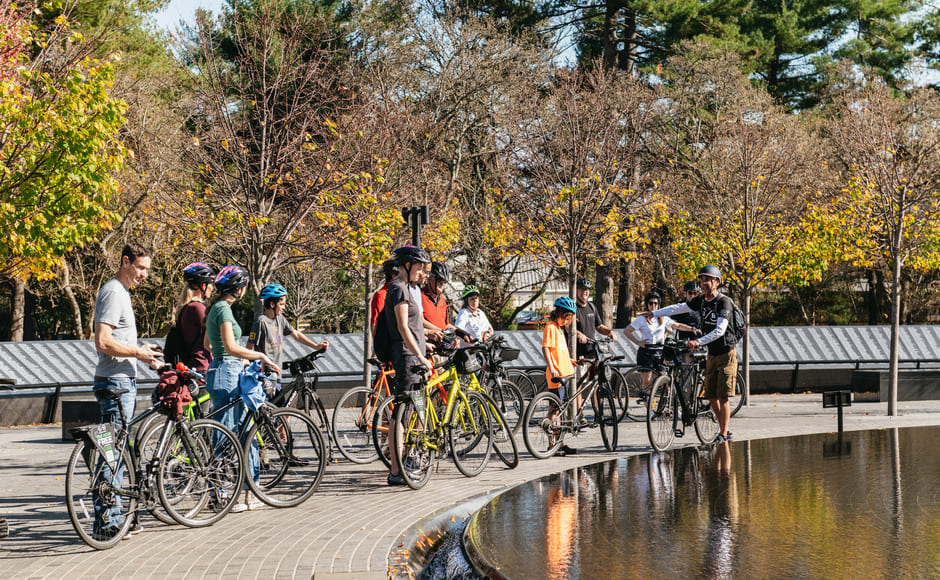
[(184, 10)]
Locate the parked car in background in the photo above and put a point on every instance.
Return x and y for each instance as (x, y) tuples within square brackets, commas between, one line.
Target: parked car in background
[(530, 320)]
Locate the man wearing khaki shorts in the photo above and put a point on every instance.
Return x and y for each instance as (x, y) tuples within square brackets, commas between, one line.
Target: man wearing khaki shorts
[(721, 366)]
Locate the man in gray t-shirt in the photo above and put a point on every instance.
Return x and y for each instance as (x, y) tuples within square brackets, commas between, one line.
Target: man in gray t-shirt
[(118, 353)]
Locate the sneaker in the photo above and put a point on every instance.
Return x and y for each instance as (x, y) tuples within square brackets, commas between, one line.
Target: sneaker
[(728, 436), (568, 450), (252, 501), (134, 530), (396, 479), (238, 508)]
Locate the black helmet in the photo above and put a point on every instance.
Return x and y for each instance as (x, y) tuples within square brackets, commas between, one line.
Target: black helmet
[(584, 283), (406, 254), (691, 286), (710, 271), (651, 295), (198, 273), (389, 268), (439, 270), (231, 279)]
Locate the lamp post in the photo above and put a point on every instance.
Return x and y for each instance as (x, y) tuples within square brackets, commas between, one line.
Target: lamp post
[(416, 216)]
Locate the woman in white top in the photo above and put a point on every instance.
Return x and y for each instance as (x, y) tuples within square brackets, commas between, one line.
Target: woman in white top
[(652, 331), (471, 319)]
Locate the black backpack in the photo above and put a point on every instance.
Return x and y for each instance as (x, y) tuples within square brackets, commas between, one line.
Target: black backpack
[(382, 342), (738, 324), (175, 349)]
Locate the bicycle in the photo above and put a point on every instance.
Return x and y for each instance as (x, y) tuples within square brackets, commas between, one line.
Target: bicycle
[(631, 395), (461, 427), (495, 380), (194, 471), (353, 416), (301, 394), (290, 451), (676, 401), (548, 419)]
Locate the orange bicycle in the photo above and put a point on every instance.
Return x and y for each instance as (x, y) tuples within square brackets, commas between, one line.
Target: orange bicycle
[(353, 416)]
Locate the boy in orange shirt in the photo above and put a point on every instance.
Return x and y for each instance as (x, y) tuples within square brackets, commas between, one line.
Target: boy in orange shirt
[(555, 350)]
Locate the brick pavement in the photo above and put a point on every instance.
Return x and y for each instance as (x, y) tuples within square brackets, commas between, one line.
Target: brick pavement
[(346, 530)]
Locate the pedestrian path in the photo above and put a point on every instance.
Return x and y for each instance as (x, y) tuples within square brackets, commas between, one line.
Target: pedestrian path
[(348, 529)]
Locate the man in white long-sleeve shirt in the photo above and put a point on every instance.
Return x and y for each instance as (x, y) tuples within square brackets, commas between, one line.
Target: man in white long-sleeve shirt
[(721, 366)]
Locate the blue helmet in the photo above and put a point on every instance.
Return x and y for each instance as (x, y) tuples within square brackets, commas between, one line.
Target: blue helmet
[(272, 291), (710, 271), (566, 303), (230, 279)]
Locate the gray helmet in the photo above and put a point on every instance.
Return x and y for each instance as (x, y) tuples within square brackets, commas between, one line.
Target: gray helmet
[(440, 271), (710, 271), (691, 286), (583, 283), (651, 295), (412, 254)]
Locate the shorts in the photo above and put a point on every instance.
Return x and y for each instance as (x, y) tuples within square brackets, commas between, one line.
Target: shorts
[(405, 379), (649, 358), (721, 372)]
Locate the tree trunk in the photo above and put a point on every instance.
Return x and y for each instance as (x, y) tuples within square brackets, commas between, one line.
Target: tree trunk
[(746, 391), (65, 283), (18, 309), (604, 295), (367, 330), (609, 34), (625, 291), (628, 54), (895, 334)]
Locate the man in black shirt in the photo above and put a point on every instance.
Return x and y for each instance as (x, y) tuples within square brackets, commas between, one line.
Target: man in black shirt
[(588, 319), (721, 366)]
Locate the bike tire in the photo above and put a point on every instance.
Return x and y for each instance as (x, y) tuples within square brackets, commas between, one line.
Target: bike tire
[(381, 418), (635, 409), (605, 415), (525, 383), (317, 412), (661, 413), (737, 401), (199, 479), (292, 459), (504, 442), (414, 456), (148, 447), (539, 429), (352, 425), (509, 399), (81, 474), (706, 423), (618, 390), (470, 435)]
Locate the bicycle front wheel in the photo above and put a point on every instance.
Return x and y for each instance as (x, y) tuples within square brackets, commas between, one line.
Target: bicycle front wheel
[(605, 416), (352, 425), (504, 443), (541, 430), (524, 383), (99, 513), (200, 473), (414, 454), (148, 449), (509, 399), (471, 439), (661, 414), (292, 458), (620, 393), (381, 419), (635, 407)]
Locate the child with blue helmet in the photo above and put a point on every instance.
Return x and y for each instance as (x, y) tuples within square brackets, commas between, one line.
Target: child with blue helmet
[(271, 326)]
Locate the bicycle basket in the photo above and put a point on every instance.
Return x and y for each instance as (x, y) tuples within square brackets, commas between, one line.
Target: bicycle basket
[(507, 354), (467, 362)]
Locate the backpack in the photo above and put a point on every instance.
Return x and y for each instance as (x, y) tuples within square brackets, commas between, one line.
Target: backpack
[(175, 348), (382, 342), (738, 326)]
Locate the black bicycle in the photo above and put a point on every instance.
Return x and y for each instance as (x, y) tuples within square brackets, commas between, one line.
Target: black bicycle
[(192, 470), (301, 393), (676, 400)]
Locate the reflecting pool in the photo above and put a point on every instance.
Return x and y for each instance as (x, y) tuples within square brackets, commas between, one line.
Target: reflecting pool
[(865, 505)]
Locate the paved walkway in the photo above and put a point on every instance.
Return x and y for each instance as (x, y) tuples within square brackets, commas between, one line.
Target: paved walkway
[(348, 529)]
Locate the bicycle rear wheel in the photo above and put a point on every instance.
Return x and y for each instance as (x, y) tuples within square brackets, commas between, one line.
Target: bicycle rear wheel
[(706, 423), (292, 458), (471, 438), (620, 393), (414, 454), (661, 414), (504, 443), (637, 395), (381, 419), (605, 416), (542, 431), (737, 401), (524, 383), (509, 399), (200, 473), (99, 514), (352, 425)]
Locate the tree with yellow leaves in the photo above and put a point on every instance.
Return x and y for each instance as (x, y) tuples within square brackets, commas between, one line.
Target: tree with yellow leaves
[(889, 145)]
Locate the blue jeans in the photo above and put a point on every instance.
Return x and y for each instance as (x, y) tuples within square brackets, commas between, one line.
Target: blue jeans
[(222, 384), (108, 525)]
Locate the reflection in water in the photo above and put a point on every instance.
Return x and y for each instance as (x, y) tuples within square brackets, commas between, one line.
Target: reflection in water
[(774, 508)]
